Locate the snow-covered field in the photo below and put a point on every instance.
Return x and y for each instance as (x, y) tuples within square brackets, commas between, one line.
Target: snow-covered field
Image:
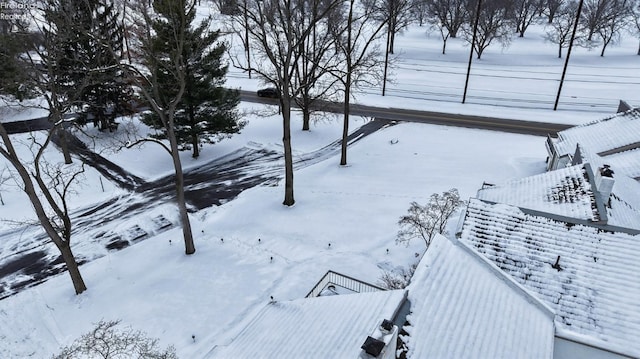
[(152, 286)]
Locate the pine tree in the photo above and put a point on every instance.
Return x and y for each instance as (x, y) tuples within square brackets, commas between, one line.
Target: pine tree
[(84, 61), (207, 111), (13, 43), (107, 94)]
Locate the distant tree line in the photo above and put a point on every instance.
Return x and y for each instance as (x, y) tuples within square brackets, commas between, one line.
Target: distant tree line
[(601, 23)]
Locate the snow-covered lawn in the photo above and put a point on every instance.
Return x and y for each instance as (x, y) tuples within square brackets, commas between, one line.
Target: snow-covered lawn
[(154, 287)]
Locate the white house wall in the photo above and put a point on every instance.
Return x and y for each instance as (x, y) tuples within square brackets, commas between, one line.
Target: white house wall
[(568, 349)]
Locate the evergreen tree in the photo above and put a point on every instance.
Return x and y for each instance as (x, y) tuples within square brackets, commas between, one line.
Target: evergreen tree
[(207, 111), (13, 42), (84, 61), (107, 93)]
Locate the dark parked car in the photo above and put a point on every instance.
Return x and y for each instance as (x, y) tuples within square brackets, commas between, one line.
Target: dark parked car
[(270, 92)]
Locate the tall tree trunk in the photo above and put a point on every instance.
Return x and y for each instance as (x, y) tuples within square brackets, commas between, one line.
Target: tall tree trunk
[(180, 196), (392, 41), (288, 155), (345, 127), (306, 118), (194, 143), (638, 47), (559, 51), (72, 268), (64, 145)]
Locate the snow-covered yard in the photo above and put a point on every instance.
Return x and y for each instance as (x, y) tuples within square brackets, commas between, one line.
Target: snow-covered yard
[(271, 250), (154, 287)]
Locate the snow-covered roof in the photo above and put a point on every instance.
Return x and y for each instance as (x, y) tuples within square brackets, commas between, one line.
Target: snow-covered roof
[(568, 192), (462, 306), (593, 287), (565, 192), (602, 136), (320, 327), (626, 162), (624, 208)]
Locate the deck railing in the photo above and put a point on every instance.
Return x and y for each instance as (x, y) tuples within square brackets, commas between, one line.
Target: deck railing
[(344, 281)]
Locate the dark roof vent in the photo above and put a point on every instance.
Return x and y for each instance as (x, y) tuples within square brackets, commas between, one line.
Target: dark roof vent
[(386, 325), (606, 171), (556, 266), (373, 346)]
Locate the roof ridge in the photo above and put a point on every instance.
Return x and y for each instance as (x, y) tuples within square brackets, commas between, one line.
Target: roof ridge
[(611, 117), (628, 147)]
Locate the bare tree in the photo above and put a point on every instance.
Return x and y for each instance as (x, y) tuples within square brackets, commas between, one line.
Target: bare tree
[(599, 14), (356, 37), (316, 58), (635, 27), (237, 22), (398, 278), (617, 16), (396, 13), (106, 341), (48, 185), (158, 37), (525, 12), (551, 7), (494, 24), (279, 32), (425, 221), (227, 7), (447, 14), (420, 11), (559, 30)]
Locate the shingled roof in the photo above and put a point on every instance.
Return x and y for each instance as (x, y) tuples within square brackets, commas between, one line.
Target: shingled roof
[(319, 327), (588, 276), (614, 134), (571, 193), (463, 306)]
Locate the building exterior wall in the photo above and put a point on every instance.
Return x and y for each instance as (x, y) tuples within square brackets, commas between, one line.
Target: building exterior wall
[(568, 349)]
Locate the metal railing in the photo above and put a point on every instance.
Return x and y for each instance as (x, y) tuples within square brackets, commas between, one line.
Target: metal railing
[(344, 281)]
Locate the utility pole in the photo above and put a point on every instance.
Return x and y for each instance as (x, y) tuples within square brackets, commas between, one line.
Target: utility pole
[(566, 61), (473, 42)]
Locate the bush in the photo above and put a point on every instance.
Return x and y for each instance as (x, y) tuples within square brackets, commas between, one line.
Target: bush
[(397, 279), (426, 221), (105, 341)]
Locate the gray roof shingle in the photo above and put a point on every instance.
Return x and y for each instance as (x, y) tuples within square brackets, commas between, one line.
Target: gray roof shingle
[(462, 306), (595, 290)]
